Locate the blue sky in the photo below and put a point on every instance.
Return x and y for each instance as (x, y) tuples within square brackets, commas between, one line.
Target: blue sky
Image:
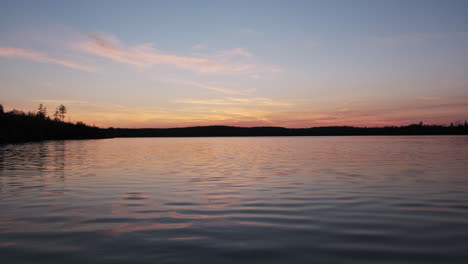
[(285, 63)]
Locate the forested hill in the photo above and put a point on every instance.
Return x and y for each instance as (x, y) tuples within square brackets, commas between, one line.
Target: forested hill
[(18, 126), (225, 131)]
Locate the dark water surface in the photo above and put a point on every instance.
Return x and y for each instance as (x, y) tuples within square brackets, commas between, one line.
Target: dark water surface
[(236, 200)]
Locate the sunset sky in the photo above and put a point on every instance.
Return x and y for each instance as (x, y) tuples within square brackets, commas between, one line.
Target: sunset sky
[(245, 63)]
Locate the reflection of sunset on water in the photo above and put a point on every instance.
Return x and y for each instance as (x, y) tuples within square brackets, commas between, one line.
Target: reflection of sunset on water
[(233, 132), (230, 194), (135, 227)]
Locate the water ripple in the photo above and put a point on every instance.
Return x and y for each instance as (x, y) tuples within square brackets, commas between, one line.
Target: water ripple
[(231, 200)]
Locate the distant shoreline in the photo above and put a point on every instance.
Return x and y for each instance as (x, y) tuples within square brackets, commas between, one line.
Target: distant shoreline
[(17, 126), (230, 131)]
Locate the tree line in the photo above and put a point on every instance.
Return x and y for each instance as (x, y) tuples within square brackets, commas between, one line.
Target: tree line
[(59, 114), (20, 126)]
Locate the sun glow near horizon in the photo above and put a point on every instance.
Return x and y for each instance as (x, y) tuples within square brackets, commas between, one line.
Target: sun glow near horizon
[(277, 65)]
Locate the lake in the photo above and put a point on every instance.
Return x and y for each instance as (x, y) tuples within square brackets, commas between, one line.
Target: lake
[(400, 199)]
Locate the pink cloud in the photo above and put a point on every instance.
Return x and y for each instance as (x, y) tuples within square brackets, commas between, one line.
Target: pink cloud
[(237, 52), (40, 57), (211, 87), (145, 56), (255, 101)]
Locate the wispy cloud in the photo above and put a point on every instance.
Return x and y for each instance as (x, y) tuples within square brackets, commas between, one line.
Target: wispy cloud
[(59, 101), (255, 76), (256, 101), (199, 46), (428, 98), (211, 87), (40, 57), (144, 56), (367, 115), (237, 52)]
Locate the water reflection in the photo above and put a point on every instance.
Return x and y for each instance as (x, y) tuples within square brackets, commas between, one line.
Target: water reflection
[(323, 199)]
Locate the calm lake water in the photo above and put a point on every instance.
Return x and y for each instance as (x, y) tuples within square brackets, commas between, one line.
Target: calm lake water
[(236, 200)]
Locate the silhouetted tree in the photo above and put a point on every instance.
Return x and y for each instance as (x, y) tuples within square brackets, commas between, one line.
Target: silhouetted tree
[(19, 126), (41, 111), (60, 112), (1, 109), (17, 112)]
